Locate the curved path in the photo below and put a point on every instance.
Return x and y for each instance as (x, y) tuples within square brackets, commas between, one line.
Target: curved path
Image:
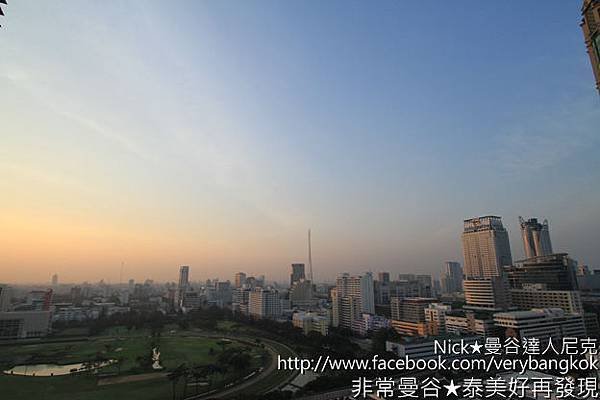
[(257, 379)]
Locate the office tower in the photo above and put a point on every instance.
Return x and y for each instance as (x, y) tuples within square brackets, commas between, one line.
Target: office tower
[(590, 25), (383, 277), (264, 303), (452, 277), (240, 298), (301, 294), (382, 290), (486, 248), (353, 296), (223, 293), (55, 280), (5, 296), (297, 273), (131, 285), (240, 279), (492, 294), (536, 237), (184, 282), (553, 272), (411, 285), (543, 324)]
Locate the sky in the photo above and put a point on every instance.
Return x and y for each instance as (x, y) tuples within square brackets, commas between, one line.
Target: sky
[(214, 134)]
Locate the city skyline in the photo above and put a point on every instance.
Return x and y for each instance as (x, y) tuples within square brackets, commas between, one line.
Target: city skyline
[(215, 135)]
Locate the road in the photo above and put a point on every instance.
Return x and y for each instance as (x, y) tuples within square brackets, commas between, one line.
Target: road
[(256, 379)]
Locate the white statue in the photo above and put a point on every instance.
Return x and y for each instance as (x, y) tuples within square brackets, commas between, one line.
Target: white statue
[(156, 359)]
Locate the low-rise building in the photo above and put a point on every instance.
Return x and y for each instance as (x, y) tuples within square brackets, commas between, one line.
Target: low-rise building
[(542, 324), (24, 324), (311, 322)]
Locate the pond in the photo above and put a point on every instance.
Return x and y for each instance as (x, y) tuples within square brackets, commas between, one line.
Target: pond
[(55, 369)]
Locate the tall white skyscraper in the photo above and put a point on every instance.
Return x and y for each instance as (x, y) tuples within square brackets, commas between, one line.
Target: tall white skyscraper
[(536, 237), (486, 248)]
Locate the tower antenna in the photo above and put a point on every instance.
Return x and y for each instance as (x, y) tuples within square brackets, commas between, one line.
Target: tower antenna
[(310, 258), (121, 273)]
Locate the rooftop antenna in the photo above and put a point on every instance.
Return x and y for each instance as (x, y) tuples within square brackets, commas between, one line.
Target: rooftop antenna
[(310, 258)]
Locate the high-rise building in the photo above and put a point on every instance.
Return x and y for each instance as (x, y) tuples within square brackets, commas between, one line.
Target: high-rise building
[(492, 294), (240, 279), (264, 303), (452, 277), (536, 237), (353, 296), (486, 248), (383, 277), (5, 296), (301, 294), (411, 309), (55, 280), (410, 285), (184, 282), (554, 272), (590, 24), (298, 273)]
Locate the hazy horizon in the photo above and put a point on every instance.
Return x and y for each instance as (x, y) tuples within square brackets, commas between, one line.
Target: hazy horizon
[(215, 134)]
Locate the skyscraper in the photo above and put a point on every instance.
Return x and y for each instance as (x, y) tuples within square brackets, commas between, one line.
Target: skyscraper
[(353, 295), (184, 282), (383, 277), (5, 295), (240, 279), (590, 25), (486, 248), (297, 274), (55, 280), (264, 303), (452, 277), (536, 237)]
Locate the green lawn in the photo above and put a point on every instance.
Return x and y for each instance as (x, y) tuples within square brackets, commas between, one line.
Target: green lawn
[(175, 350)]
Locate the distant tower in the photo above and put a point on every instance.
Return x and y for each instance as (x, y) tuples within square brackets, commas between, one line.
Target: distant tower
[(536, 237), (184, 281), (486, 248), (297, 274), (55, 280), (310, 269)]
